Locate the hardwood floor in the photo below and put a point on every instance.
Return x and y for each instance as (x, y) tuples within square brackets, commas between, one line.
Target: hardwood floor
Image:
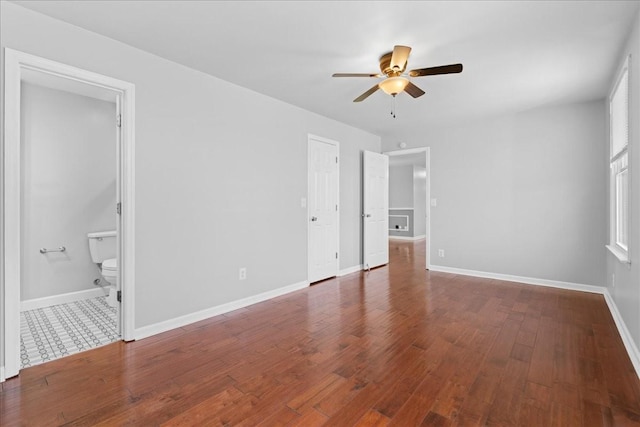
[(396, 346)]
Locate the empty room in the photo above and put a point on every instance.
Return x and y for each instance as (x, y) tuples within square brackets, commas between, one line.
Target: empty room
[(449, 233)]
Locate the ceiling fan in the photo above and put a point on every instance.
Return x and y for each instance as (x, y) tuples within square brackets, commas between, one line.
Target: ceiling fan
[(393, 65)]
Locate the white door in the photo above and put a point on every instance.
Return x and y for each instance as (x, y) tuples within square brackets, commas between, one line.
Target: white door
[(376, 209), (118, 213), (323, 209)]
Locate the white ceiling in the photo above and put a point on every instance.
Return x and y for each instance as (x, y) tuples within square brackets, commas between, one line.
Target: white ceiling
[(516, 55)]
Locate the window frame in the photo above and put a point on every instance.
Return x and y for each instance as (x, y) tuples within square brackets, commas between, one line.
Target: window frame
[(619, 165)]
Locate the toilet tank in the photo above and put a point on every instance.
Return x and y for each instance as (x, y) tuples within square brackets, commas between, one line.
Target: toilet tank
[(102, 245)]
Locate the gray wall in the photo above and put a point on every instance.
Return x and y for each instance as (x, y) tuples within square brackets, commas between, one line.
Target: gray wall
[(69, 187), (626, 292), (400, 186), (209, 155), (521, 194)]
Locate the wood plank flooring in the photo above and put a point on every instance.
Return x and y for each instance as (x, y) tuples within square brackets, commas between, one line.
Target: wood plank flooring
[(398, 346)]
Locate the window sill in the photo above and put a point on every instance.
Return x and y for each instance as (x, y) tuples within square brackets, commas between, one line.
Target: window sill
[(622, 256)]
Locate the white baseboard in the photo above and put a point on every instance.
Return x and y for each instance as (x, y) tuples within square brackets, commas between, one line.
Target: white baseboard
[(156, 328), (632, 348), (32, 304), (407, 238), (349, 270), (521, 279), (629, 344)]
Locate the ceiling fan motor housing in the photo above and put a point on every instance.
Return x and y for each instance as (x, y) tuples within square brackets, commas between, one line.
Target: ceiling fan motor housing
[(385, 66)]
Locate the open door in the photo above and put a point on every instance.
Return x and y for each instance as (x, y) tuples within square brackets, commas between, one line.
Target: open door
[(375, 209), (118, 214)]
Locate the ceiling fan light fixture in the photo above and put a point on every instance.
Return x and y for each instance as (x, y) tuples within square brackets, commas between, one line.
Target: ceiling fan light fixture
[(393, 85)]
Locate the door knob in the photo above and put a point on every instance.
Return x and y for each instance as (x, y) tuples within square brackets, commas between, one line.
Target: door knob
[(313, 218)]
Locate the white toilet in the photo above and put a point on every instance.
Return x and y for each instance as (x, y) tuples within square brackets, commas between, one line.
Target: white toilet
[(102, 246)]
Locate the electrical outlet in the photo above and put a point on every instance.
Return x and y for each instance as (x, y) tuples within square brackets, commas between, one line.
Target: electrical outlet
[(441, 253), (242, 273)]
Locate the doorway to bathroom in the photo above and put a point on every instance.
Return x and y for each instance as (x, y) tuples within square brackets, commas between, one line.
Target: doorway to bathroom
[(68, 208)]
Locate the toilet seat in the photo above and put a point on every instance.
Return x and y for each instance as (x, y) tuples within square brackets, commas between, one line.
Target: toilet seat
[(110, 265), (110, 270)]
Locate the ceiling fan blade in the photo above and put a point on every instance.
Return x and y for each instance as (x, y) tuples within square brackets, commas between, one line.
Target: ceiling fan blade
[(399, 57), (413, 90), (355, 75), (366, 94), (432, 71)]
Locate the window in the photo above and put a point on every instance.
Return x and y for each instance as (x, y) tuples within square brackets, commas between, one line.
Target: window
[(619, 167), (622, 192)]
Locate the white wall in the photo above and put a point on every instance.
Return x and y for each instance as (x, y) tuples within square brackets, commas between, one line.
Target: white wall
[(210, 156), (522, 194), (69, 189), (626, 292)]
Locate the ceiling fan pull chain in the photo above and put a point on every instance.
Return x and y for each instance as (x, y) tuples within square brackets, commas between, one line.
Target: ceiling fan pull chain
[(392, 99), (393, 106)]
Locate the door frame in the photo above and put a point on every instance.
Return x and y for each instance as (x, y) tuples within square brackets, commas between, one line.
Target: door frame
[(427, 154), (15, 63), (311, 137)]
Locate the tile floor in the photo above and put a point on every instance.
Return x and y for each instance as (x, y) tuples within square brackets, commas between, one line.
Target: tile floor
[(60, 330)]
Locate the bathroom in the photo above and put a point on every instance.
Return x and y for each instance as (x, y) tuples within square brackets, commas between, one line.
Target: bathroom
[(68, 184)]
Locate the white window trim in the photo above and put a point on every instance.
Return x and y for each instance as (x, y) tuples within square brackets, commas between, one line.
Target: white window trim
[(621, 255), (619, 252)]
